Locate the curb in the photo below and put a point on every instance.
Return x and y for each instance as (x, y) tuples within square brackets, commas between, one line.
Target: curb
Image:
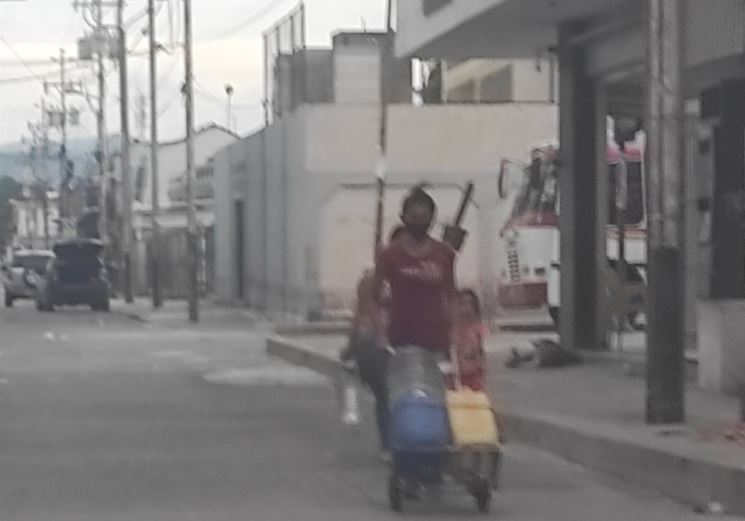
[(313, 328), (300, 355), (634, 365), (686, 479), (342, 328), (526, 327), (136, 317)]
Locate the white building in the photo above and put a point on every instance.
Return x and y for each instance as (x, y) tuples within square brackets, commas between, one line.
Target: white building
[(295, 202), (208, 141), (28, 213)]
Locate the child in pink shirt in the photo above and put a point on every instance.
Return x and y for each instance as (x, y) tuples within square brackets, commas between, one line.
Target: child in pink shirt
[(469, 341)]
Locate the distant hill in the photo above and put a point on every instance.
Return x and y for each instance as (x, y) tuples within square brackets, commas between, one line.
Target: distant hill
[(14, 159)]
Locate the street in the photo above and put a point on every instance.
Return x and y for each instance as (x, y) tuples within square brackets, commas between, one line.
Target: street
[(106, 418)]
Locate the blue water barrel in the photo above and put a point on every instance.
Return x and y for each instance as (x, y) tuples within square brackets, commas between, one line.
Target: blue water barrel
[(418, 422)]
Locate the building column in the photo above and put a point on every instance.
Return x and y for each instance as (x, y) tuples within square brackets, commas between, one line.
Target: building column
[(728, 255), (722, 316), (578, 221), (666, 281)]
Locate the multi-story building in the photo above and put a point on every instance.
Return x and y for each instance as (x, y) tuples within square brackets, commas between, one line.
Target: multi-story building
[(295, 202)]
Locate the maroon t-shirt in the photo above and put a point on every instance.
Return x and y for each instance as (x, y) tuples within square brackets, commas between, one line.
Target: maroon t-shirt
[(420, 289)]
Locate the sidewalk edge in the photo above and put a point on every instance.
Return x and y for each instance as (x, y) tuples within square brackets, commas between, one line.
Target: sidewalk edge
[(686, 479)]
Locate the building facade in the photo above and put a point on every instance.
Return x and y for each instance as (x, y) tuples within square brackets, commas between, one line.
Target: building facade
[(601, 48), (295, 202), (208, 141)]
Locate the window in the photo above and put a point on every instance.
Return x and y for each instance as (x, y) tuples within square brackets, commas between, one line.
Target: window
[(431, 6), (539, 190), (635, 194)]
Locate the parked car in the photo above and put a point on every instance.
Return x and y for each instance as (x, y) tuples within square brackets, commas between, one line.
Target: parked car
[(22, 275), (76, 276)]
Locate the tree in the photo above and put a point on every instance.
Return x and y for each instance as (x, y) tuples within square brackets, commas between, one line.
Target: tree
[(9, 189)]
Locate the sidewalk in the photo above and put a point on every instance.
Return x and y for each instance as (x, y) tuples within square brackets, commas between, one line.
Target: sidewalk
[(593, 415), (525, 320)]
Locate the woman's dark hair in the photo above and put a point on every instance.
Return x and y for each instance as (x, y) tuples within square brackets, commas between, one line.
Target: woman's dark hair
[(474, 298), (418, 197)]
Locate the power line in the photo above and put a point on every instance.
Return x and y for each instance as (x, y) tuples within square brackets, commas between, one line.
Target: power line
[(47, 61), (20, 58), (39, 76), (143, 32), (256, 17)]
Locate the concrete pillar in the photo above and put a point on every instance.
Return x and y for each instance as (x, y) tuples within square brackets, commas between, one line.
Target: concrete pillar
[(727, 105), (721, 355), (664, 123), (580, 281)]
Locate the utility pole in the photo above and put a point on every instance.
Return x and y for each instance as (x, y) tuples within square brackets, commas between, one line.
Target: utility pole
[(154, 162), (665, 178), (193, 264), (383, 130), (63, 146), (39, 156), (125, 159), (103, 227)]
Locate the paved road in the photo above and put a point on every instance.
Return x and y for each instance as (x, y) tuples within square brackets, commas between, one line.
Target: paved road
[(103, 418)]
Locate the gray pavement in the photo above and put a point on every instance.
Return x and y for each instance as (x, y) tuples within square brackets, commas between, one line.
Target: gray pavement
[(107, 418)]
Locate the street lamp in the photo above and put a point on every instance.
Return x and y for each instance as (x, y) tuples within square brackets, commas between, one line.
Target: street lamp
[(229, 90)]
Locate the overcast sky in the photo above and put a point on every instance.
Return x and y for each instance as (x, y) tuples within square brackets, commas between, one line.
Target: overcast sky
[(37, 29)]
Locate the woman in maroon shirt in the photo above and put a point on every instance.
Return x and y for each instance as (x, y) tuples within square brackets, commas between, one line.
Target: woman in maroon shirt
[(420, 273)]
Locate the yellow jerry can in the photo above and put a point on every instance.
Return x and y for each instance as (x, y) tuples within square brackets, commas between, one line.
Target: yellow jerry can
[(472, 419)]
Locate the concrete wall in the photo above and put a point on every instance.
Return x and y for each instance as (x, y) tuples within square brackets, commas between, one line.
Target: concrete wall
[(498, 81), (347, 231), (356, 74), (309, 219), (532, 80)]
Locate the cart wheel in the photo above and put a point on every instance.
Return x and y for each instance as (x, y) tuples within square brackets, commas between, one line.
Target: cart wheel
[(396, 493), (483, 496)]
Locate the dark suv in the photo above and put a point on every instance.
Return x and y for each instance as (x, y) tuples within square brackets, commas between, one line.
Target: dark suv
[(76, 276)]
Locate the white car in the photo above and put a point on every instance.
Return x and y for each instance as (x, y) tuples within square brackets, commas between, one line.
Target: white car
[(22, 274)]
